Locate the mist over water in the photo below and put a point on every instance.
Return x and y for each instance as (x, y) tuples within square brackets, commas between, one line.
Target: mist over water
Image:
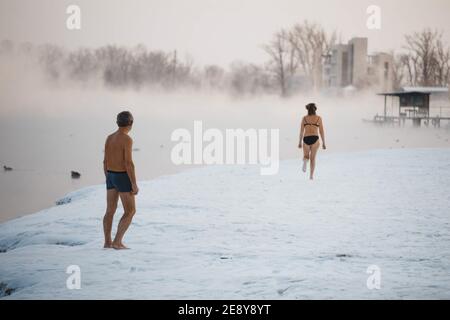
[(48, 129)]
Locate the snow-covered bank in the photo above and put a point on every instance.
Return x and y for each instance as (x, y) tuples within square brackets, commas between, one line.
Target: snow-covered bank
[(227, 232)]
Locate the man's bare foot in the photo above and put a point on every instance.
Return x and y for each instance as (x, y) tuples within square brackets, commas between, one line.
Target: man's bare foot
[(107, 245), (119, 246)]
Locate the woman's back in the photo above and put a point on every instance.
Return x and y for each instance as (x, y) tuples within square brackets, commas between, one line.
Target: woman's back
[(312, 124)]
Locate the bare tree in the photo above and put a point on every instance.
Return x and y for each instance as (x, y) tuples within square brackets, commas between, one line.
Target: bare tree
[(187, 72), (442, 60), (409, 67), (283, 62), (399, 70), (6, 47), (421, 59), (248, 78), (213, 76), (311, 43), (426, 61), (51, 58), (81, 64)]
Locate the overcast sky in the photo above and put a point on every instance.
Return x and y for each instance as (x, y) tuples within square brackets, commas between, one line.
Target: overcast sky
[(213, 31)]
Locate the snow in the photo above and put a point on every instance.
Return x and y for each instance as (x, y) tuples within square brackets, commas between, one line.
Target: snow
[(226, 232)]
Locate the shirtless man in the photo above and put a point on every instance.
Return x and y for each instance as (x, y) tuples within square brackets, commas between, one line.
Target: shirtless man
[(120, 180)]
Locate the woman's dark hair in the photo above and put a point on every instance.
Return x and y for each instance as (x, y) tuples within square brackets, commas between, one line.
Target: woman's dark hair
[(311, 107), (124, 119)]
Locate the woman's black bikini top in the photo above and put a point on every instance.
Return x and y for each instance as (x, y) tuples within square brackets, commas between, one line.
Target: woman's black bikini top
[(312, 124)]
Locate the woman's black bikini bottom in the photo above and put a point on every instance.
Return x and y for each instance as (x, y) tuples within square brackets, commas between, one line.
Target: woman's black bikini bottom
[(310, 140)]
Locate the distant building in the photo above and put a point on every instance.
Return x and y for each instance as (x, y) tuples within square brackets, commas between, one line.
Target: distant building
[(380, 71), (349, 65)]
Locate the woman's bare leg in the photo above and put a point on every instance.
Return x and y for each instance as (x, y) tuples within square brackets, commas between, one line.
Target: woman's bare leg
[(306, 155), (314, 148), (306, 151)]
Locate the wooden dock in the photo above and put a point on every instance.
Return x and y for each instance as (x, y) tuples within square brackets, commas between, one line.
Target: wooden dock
[(414, 105)]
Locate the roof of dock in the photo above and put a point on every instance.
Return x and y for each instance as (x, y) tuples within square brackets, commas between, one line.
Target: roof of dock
[(416, 90)]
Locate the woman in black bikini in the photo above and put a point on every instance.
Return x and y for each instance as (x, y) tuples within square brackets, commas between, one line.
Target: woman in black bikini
[(309, 138)]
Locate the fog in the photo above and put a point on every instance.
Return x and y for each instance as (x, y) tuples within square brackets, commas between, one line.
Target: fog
[(213, 31), (48, 128)]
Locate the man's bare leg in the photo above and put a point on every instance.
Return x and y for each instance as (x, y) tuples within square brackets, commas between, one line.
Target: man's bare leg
[(128, 202), (112, 197)]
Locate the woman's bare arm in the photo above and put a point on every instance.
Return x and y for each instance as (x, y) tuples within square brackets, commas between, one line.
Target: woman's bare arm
[(302, 130), (322, 133)]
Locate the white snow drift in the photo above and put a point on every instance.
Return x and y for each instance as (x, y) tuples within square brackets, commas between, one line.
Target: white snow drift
[(227, 232)]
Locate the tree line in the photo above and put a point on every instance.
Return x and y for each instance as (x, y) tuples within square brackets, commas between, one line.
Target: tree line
[(295, 63), (425, 60), (138, 67)]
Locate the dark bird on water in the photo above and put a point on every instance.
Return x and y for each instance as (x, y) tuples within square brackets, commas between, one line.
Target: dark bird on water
[(7, 168), (75, 175)]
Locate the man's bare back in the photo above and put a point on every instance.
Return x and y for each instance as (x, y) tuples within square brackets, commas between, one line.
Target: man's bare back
[(115, 148)]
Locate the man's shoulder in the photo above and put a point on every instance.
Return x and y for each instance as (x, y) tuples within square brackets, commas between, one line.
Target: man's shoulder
[(120, 138), (111, 135), (126, 139)]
